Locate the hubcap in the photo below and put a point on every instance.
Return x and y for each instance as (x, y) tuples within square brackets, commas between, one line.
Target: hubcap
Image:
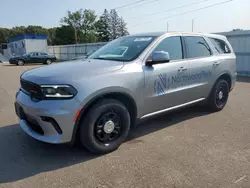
[(109, 127), (220, 95)]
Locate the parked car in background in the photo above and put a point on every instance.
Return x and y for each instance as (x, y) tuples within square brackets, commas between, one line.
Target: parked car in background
[(32, 57), (131, 78)]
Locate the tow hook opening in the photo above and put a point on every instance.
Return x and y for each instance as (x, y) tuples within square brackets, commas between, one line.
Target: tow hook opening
[(53, 123)]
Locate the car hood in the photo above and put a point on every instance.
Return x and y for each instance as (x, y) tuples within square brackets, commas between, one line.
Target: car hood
[(65, 72)]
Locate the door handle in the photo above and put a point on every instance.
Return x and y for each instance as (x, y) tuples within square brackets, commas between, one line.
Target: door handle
[(181, 69), (216, 64)]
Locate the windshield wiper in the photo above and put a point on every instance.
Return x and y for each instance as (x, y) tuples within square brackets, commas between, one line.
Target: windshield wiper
[(110, 59)]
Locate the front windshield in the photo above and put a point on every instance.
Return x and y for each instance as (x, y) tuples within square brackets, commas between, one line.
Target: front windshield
[(26, 54), (123, 49)]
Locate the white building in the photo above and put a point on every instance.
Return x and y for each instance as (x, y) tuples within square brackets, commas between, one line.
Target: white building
[(26, 43)]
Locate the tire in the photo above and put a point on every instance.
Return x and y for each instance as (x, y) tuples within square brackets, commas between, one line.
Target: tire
[(48, 61), (20, 62), (219, 96), (96, 126)]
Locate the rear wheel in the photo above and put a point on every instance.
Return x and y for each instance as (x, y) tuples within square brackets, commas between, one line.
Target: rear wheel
[(48, 61), (219, 95), (105, 127), (20, 62)]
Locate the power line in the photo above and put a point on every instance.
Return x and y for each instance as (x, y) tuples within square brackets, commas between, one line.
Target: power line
[(216, 4), (171, 9), (129, 4), (144, 3)]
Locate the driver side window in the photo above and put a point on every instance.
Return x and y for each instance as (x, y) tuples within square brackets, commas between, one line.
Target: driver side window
[(173, 46)]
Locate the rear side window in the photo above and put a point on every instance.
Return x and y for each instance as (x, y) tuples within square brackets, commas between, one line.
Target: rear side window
[(220, 46), (197, 47), (173, 46), (34, 54)]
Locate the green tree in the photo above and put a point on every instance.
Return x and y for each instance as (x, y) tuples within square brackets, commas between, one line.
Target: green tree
[(75, 20), (64, 35), (88, 25), (122, 28), (20, 30), (114, 22), (52, 36), (34, 29), (110, 26), (103, 27), (4, 35), (80, 26)]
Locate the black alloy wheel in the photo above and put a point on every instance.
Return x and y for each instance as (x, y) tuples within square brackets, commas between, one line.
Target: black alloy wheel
[(108, 127), (219, 95), (105, 126)]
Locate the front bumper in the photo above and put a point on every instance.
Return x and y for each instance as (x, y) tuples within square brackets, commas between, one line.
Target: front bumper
[(36, 116)]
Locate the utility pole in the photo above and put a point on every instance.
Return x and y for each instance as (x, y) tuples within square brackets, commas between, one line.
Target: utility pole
[(192, 25), (167, 26)]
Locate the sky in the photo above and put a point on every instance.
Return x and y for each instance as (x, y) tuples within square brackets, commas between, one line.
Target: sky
[(139, 18)]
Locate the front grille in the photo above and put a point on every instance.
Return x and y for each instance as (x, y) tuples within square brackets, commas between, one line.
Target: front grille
[(34, 90)]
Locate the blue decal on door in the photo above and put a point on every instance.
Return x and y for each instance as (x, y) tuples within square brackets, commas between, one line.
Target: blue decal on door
[(161, 84)]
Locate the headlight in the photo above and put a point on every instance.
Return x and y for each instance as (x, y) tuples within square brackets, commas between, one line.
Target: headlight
[(58, 91)]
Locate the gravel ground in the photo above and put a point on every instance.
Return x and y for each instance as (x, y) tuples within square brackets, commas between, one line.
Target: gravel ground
[(187, 148)]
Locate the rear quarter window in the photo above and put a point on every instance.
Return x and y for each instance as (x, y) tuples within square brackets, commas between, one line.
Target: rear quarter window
[(220, 46)]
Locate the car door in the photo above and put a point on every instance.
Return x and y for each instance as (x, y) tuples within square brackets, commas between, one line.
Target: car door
[(165, 85), (34, 57), (223, 58), (29, 58), (41, 57), (201, 61)]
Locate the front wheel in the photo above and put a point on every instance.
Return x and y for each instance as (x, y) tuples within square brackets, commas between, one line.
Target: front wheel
[(219, 95), (105, 126)]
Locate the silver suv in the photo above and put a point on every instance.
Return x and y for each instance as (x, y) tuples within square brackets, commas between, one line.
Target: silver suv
[(131, 78)]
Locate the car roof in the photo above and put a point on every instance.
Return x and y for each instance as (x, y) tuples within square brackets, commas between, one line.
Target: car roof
[(38, 52), (158, 34), (151, 34)]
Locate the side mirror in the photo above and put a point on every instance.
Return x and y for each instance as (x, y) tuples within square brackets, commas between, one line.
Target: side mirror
[(158, 57)]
